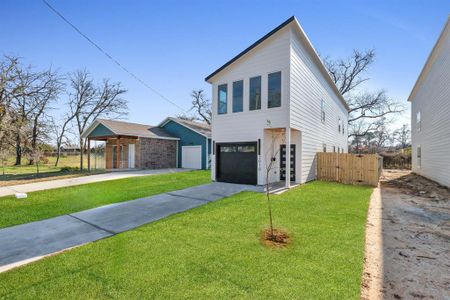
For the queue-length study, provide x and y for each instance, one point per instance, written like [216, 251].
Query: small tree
[36, 156]
[271, 156]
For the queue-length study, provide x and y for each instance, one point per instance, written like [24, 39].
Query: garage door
[237, 162]
[191, 157]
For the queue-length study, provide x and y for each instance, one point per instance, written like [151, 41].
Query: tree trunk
[18, 151]
[58, 154]
[269, 204]
[33, 142]
[81, 154]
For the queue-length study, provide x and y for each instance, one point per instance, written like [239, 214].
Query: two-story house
[430, 114]
[275, 103]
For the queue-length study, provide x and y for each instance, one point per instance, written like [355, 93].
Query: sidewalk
[58, 183]
[25, 243]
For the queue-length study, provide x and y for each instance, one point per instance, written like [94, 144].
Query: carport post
[288, 158]
[89, 154]
[117, 152]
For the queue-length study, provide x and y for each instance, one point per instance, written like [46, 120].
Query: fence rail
[364, 169]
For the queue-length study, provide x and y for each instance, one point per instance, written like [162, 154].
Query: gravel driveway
[407, 239]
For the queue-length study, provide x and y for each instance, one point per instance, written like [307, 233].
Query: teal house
[194, 142]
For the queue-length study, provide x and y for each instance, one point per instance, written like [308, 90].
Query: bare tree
[271, 156]
[36, 155]
[187, 117]
[403, 136]
[59, 131]
[8, 76]
[51, 86]
[201, 106]
[89, 102]
[4, 154]
[366, 108]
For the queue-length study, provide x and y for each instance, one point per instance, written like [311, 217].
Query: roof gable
[197, 127]
[127, 129]
[304, 40]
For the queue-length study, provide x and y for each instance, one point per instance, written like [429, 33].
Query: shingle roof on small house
[200, 127]
[129, 129]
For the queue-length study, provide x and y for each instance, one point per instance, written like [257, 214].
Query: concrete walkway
[58, 183]
[28, 242]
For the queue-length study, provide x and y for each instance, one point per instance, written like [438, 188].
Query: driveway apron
[22, 243]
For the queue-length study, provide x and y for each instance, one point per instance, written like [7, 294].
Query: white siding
[432, 99]
[271, 56]
[308, 89]
[303, 88]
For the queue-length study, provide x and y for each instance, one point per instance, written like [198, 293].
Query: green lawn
[214, 252]
[67, 165]
[45, 204]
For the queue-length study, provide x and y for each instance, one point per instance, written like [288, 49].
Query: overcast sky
[174, 45]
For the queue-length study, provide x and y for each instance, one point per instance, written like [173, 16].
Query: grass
[214, 252]
[50, 203]
[67, 166]
[72, 161]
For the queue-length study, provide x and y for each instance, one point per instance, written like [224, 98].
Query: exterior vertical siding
[308, 88]
[248, 126]
[303, 87]
[432, 99]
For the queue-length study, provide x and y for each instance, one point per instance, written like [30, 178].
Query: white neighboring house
[430, 114]
[282, 79]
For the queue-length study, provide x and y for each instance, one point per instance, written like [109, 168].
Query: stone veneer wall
[156, 153]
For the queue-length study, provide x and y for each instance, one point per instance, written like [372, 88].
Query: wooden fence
[347, 168]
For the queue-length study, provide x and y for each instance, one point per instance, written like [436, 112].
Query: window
[246, 149]
[418, 121]
[222, 96]
[339, 125]
[255, 93]
[419, 156]
[334, 148]
[324, 146]
[322, 111]
[274, 90]
[238, 96]
[343, 126]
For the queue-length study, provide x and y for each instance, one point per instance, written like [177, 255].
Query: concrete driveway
[58, 183]
[28, 242]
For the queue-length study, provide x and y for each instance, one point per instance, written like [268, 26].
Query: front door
[283, 162]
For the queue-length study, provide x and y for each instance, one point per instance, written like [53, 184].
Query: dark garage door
[237, 162]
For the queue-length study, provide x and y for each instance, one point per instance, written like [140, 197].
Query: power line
[110, 57]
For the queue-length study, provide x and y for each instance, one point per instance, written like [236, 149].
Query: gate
[364, 169]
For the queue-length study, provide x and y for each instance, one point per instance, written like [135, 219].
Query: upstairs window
[238, 96]
[255, 93]
[322, 111]
[339, 125]
[418, 121]
[274, 90]
[222, 96]
[324, 147]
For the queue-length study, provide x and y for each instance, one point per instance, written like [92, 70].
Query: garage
[237, 162]
[191, 157]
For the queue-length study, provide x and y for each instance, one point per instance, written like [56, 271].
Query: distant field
[67, 165]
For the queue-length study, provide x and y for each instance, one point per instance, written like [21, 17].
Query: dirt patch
[279, 239]
[407, 239]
